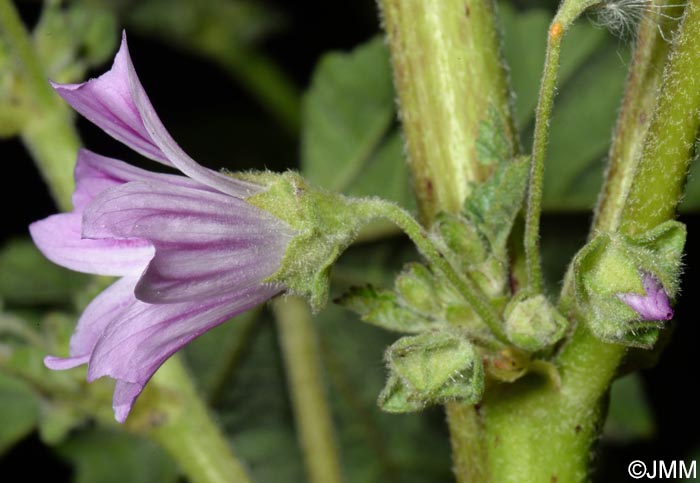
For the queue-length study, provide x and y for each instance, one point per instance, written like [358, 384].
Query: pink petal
[94, 174]
[206, 243]
[58, 237]
[140, 339]
[125, 394]
[652, 306]
[117, 103]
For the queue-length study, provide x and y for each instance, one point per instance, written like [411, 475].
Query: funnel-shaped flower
[652, 306]
[191, 251]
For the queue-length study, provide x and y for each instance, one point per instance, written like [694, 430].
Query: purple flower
[652, 306]
[191, 253]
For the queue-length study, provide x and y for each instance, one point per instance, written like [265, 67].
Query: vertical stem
[48, 133]
[660, 175]
[469, 455]
[300, 347]
[568, 11]
[448, 74]
[537, 433]
[172, 414]
[637, 111]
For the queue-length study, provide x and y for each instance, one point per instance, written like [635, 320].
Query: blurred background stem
[302, 355]
[48, 131]
[187, 430]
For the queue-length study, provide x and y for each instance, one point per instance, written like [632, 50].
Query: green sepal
[325, 224]
[613, 264]
[396, 397]
[532, 323]
[432, 368]
[381, 308]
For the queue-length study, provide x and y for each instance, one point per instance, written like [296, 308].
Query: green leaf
[102, 456]
[629, 416]
[493, 205]
[19, 411]
[492, 145]
[27, 278]
[349, 143]
[381, 308]
[254, 409]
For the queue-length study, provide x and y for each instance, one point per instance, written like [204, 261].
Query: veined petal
[135, 344]
[125, 394]
[95, 173]
[58, 237]
[107, 102]
[206, 243]
[117, 103]
[103, 309]
[106, 307]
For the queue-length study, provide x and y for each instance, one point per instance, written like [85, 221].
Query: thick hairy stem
[449, 75]
[302, 356]
[539, 433]
[641, 97]
[448, 72]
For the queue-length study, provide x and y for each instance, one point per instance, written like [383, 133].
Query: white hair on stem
[621, 17]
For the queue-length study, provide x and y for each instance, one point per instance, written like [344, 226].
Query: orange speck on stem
[555, 30]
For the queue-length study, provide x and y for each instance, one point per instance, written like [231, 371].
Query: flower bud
[533, 324]
[432, 368]
[623, 284]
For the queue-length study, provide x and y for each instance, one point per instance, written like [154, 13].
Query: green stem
[48, 132]
[171, 413]
[536, 433]
[567, 13]
[466, 287]
[449, 75]
[301, 350]
[637, 111]
[468, 449]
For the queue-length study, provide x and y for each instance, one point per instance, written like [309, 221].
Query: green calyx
[431, 368]
[326, 223]
[532, 323]
[613, 264]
